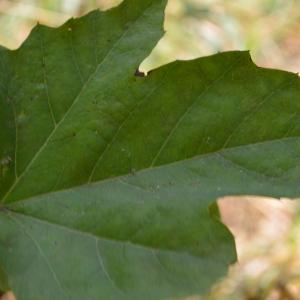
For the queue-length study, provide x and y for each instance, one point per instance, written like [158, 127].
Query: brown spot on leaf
[138, 73]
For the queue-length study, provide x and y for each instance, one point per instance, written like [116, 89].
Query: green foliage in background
[108, 177]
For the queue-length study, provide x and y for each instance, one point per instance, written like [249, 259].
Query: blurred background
[269, 28]
[267, 231]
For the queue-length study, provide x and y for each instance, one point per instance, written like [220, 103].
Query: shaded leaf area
[179, 111]
[119, 239]
[147, 235]
[107, 178]
[4, 286]
[68, 84]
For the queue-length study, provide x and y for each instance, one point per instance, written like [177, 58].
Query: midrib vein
[198, 156]
[58, 124]
[92, 235]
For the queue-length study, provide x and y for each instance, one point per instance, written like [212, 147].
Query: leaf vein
[189, 109]
[104, 269]
[69, 110]
[119, 129]
[41, 252]
[45, 78]
[255, 110]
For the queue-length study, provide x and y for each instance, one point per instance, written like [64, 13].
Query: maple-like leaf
[107, 179]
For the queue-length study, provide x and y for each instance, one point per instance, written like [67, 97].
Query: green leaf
[108, 179]
[4, 287]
